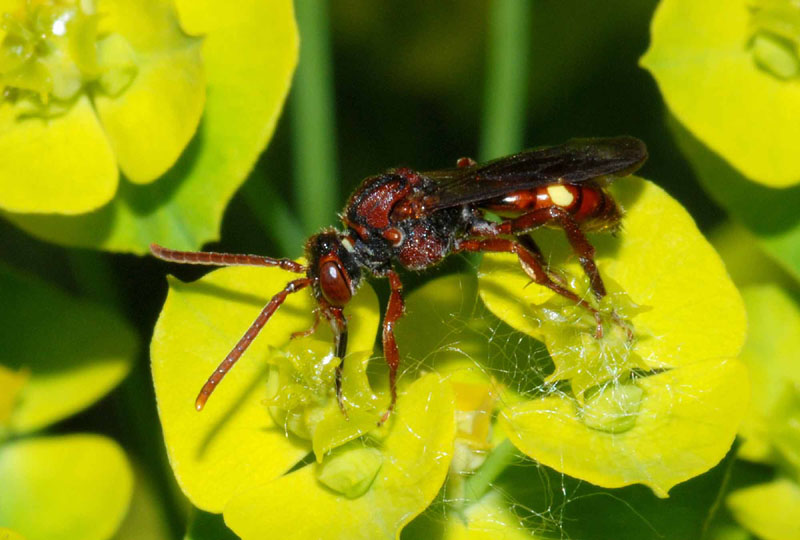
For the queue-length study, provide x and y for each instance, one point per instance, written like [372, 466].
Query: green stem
[312, 113]
[498, 461]
[506, 78]
[278, 223]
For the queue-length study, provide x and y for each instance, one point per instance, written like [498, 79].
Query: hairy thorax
[388, 216]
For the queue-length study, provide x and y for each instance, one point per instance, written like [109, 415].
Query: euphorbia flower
[656, 409]
[59, 356]
[90, 88]
[145, 120]
[259, 424]
[728, 70]
[401, 479]
[770, 431]
[241, 438]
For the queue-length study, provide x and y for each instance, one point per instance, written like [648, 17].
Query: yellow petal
[770, 355]
[11, 381]
[363, 411]
[416, 456]
[771, 511]
[64, 488]
[149, 25]
[686, 421]
[707, 74]
[768, 213]
[60, 165]
[151, 122]
[233, 442]
[8, 534]
[73, 351]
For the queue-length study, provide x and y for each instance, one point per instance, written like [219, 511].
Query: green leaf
[738, 248]
[146, 516]
[716, 86]
[249, 54]
[234, 443]
[12, 382]
[416, 456]
[784, 428]
[67, 487]
[770, 214]
[73, 351]
[555, 505]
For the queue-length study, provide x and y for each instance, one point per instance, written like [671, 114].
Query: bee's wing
[577, 160]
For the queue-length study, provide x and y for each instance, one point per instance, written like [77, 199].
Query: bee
[412, 220]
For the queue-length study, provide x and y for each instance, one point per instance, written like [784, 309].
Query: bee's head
[333, 267]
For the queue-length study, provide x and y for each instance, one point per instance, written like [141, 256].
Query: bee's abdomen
[583, 202]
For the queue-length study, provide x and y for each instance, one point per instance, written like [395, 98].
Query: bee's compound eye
[334, 283]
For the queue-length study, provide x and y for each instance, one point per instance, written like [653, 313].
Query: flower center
[775, 41]
[51, 49]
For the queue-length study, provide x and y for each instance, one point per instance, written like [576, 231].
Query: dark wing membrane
[577, 160]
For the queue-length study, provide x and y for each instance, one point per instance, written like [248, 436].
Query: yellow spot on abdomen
[560, 195]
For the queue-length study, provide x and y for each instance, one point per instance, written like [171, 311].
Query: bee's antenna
[247, 338]
[223, 259]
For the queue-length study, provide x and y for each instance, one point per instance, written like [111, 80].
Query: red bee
[415, 219]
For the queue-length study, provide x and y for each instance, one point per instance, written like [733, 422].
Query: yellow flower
[90, 89]
[273, 453]
[54, 363]
[657, 410]
[728, 70]
[179, 97]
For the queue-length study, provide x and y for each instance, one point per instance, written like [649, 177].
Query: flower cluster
[126, 123]
[657, 408]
